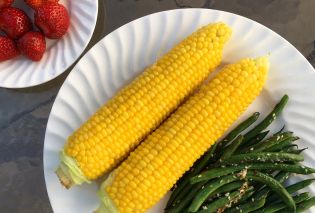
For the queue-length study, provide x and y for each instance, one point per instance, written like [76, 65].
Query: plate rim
[74, 69]
[67, 66]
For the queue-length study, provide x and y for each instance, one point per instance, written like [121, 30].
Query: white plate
[124, 53]
[60, 54]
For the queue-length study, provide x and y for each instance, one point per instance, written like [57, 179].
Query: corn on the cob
[117, 127]
[159, 161]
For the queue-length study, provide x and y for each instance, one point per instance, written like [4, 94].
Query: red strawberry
[37, 3]
[8, 49]
[32, 45]
[5, 3]
[53, 19]
[14, 22]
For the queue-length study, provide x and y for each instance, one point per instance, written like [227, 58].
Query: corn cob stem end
[64, 180]
[69, 172]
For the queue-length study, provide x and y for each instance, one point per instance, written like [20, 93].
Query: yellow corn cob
[117, 127]
[158, 162]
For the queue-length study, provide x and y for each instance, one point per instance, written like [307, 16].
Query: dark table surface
[24, 112]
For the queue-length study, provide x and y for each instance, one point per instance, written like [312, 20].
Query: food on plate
[8, 49]
[165, 155]
[53, 19]
[32, 45]
[5, 3]
[37, 3]
[182, 187]
[245, 173]
[119, 126]
[14, 22]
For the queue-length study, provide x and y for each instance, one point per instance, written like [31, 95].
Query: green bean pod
[247, 195]
[226, 188]
[284, 146]
[268, 119]
[255, 140]
[237, 130]
[261, 157]
[292, 189]
[182, 204]
[270, 142]
[275, 185]
[224, 201]
[279, 206]
[297, 151]
[280, 130]
[209, 188]
[229, 150]
[264, 191]
[248, 207]
[301, 207]
[305, 205]
[217, 172]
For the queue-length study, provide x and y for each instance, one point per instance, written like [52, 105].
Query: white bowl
[60, 54]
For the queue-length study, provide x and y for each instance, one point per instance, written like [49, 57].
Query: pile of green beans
[245, 172]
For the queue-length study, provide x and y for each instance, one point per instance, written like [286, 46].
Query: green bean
[270, 142]
[247, 195]
[229, 150]
[186, 200]
[279, 206]
[240, 128]
[268, 119]
[283, 146]
[297, 151]
[292, 189]
[275, 185]
[182, 195]
[217, 172]
[305, 205]
[285, 137]
[263, 192]
[282, 176]
[280, 131]
[301, 207]
[178, 199]
[292, 145]
[248, 207]
[224, 201]
[209, 188]
[299, 185]
[258, 138]
[262, 157]
[227, 188]
[219, 203]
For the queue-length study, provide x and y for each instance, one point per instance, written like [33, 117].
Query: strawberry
[53, 19]
[8, 49]
[37, 3]
[14, 22]
[32, 45]
[5, 3]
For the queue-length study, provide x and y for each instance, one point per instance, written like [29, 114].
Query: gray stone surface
[24, 112]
